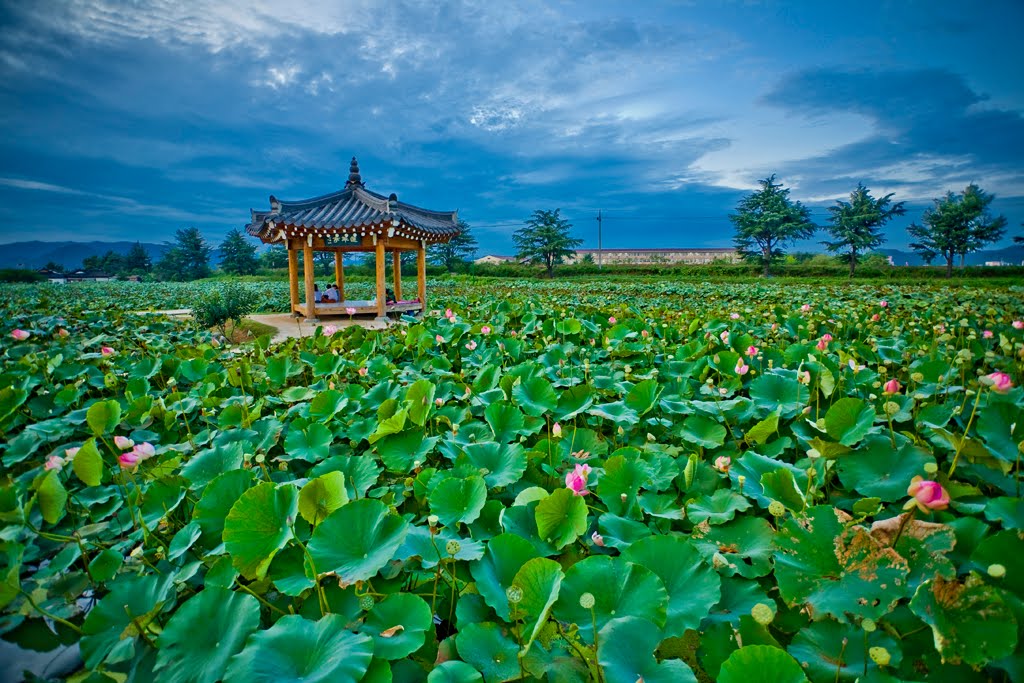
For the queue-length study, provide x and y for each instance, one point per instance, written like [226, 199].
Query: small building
[996, 263]
[493, 260]
[53, 276]
[353, 219]
[656, 256]
[88, 276]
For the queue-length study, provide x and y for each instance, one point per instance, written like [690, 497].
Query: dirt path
[287, 326]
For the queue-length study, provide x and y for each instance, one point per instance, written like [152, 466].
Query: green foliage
[546, 240]
[187, 258]
[237, 255]
[456, 253]
[957, 225]
[766, 221]
[229, 303]
[856, 225]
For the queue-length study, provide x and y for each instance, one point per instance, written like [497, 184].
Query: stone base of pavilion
[334, 310]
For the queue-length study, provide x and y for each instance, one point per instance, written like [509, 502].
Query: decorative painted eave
[353, 210]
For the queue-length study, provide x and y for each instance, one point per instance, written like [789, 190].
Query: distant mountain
[34, 255]
[1013, 255]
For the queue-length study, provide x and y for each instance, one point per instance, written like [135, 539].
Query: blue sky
[128, 120]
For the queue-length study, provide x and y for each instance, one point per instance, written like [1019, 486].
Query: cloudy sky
[129, 120]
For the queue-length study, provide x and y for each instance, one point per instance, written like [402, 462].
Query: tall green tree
[545, 239]
[856, 225]
[274, 257]
[957, 225]
[237, 256]
[187, 258]
[457, 251]
[766, 221]
[110, 263]
[137, 261]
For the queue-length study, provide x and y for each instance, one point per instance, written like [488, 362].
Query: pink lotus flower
[875, 318]
[70, 453]
[999, 381]
[806, 308]
[927, 495]
[350, 310]
[883, 303]
[106, 351]
[577, 480]
[556, 430]
[485, 330]
[438, 402]
[128, 460]
[471, 345]
[612, 320]
[775, 326]
[448, 313]
[724, 336]
[822, 345]
[1018, 324]
[363, 372]
[21, 335]
[723, 463]
[751, 351]
[741, 367]
[803, 376]
[598, 539]
[144, 450]
[644, 334]
[734, 316]
[123, 443]
[891, 387]
[54, 462]
[987, 334]
[62, 333]
[439, 339]
[513, 333]
[329, 330]
[826, 337]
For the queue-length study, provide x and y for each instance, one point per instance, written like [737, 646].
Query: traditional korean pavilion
[353, 219]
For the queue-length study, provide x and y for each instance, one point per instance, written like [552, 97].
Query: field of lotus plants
[567, 481]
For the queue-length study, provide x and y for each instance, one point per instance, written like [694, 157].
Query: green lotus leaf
[849, 420]
[995, 425]
[619, 532]
[833, 650]
[183, 540]
[419, 399]
[774, 392]
[490, 651]
[573, 401]
[357, 540]
[454, 671]
[103, 417]
[280, 368]
[258, 525]
[535, 395]
[761, 664]
[500, 464]
[837, 570]
[718, 508]
[643, 396]
[322, 496]
[105, 565]
[742, 546]
[752, 466]
[538, 583]
[327, 404]
[11, 398]
[311, 443]
[393, 424]
[623, 477]
[1007, 511]
[88, 464]
[617, 412]
[702, 432]
[759, 433]
[52, 496]
[291, 571]
[360, 472]
[296, 649]
[457, 501]
[781, 485]
[620, 589]
[1001, 548]
[625, 652]
[506, 421]
[693, 587]
[110, 628]
[207, 464]
[494, 573]
[521, 520]
[204, 634]
[874, 469]
[431, 546]
[405, 451]
[561, 517]
[218, 497]
[398, 625]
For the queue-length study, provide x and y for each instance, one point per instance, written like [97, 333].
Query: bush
[20, 275]
[229, 303]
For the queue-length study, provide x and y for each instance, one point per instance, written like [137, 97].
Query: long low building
[638, 256]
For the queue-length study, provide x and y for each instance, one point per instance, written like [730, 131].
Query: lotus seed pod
[879, 655]
[432, 520]
[869, 625]
[931, 467]
[366, 602]
[408, 481]
[587, 600]
[514, 594]
[891, 408]
[742, 480]
[776, 509]
[762, 613]
[453, 547]
[623, 497]
[917, 377]
[996, 571]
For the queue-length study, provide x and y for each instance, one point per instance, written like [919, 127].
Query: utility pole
[600, 254]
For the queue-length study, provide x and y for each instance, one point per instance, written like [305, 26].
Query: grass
[248, 330]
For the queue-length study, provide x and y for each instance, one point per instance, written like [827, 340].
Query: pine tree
[857, 224]
[545, 239]
[457, 251]
[137, 260]
[237, 256]
[766, 221]
[958, 224]
[188, 258]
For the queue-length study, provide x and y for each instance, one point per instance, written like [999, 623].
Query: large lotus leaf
[419, 399]
[561, 517]
[1009, 512]
[218, 497]
[52, 496]
[617, 412]
[971, 622]
[923, 544]
[760, 433]
[111, 627]
[849, 420]
[623, 477]
[88, 464]
[738, 597]
[837, 570]
[876, 470]
[620, 589]
[204, 633]
[432, 548]
[488, 649]
[457, 500]
[406, 451]
[619, 532]
[210, 463]
[494, 573]
[781, 485]
[103, 416]
[834, 651]
[625, 652]
[183, 540]
[398, 625]
[360, 472]
[773, 392]
[357, 540]
[702, 432]
[1005, 548]
[258, 525]
[506, 421]
[393, 424]
[535, 395]
[311, 443]
[454, 671]
[299, 650]
[752, 466]
[322, 496]
[718, 508]
[538, 583]
[643, 396]
[500, 464]
[573, 401]
[693, 587]
[996, 426]
[291, 572]
[521, 520]
[761, 664]
[743, 546]
[326, 404]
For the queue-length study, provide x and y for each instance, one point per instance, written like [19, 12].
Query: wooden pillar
[421, 274]
[307, 271]
[293, 278]
[339, 274]
[396, 257]
[381, 282]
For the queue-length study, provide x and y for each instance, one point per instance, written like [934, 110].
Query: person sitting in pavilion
[332, 295]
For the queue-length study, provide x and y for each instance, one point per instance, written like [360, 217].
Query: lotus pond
[562, 481]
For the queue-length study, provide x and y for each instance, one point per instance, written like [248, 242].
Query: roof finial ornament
[353, 175]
